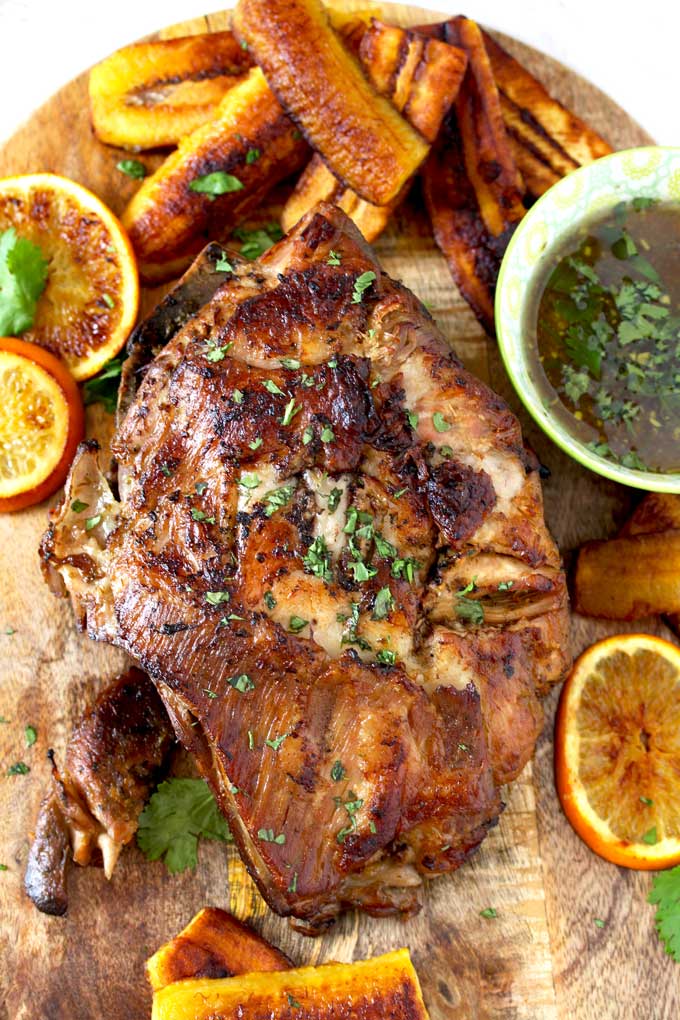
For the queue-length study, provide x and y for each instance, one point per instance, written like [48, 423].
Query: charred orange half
[41, 423]
[617, 750]
[90, 302]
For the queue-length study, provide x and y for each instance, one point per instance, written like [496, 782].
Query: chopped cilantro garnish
[440, 423]
[216, 183]
[275, 744]
[103, 387]
[296, 624]
[361, 284]
[78, 506]
[249, 480]
[30, 735]
[223, 265]
[216, 598]
[386, 657]
[252, 156]
[290, 411]
[488, 912]
[241, 683]
[259, 240]
[383, 605]
[333, 258]
[317, 559]
[278, 498]
[269, 600]
[133, 168]
[338, 772]
[469, 609]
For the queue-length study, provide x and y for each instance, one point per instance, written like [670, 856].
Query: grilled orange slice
[617, 750]
[41, 423]
[90, 302]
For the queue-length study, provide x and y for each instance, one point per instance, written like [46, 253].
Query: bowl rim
[649, 480]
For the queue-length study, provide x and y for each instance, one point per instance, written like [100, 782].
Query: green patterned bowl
[589, 192]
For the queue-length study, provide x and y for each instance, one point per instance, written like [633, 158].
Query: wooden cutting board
[543, 957]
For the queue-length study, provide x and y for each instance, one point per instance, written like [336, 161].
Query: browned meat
[318, 508]
[91, 810]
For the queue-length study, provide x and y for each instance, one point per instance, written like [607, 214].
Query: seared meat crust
[319, 509]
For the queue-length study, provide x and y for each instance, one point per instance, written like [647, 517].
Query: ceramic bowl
[588, 193]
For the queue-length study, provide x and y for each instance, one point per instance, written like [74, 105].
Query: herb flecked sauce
[604, 335]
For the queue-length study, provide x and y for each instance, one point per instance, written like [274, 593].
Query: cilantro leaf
[216, 183]
[103, 388]
[133, 168]
[259, 240]
[361, 284]
[178, 814]
[665, 893]
[23, 276]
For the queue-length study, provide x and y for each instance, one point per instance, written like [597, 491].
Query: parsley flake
[216, 598]
[488, 912]
[78, 506]
[31, 735]
[296, 624]
[333, 258]
[440, 422]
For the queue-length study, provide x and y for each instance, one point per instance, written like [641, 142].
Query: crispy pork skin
[91, 809]
[318, 509]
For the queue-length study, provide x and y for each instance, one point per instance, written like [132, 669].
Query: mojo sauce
[604, 330]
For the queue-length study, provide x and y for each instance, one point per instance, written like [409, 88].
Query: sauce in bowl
[603, 327]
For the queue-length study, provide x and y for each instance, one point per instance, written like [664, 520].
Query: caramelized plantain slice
[473, 254]
[422, 77]
[251, 142]
[213, 945]
[152, 94]
[386, 986]
[554, 140]
[488, 159]
[629, 577]
[658, 511]
[368, 145]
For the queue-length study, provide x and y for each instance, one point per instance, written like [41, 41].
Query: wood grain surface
[543, 957]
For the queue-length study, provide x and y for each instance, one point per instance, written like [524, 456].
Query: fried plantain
[489, 163]
[367, 144]
[384, 986]
[422, 77]
[629, 577]
[252, 144]
[550, 140]
[151, 94]
[214, 944]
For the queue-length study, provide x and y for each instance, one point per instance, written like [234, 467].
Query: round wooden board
[542, 957]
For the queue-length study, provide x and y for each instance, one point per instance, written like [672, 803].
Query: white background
[630, 50]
